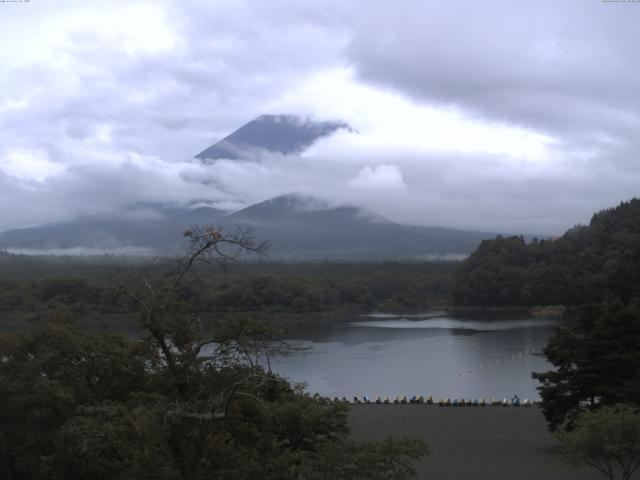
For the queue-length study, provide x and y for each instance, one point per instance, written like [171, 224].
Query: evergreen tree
[597, 360]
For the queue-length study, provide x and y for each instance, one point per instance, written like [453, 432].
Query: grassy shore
[474, 443]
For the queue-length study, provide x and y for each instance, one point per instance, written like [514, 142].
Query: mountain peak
[307, 209]
[284, 134]
[298, 201]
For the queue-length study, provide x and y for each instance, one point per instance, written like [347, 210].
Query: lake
[431, 354]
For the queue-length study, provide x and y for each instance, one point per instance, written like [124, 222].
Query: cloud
[96, 189]
[29, 164]
[492, 115]
[525, 63]
[155, 78]
[379, 178]
[567, 71]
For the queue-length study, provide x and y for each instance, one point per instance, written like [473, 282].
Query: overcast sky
[511, 116]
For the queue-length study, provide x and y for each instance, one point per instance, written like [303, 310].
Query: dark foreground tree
[597, 360]
[172, 404]
[597, 363]
[607, 440]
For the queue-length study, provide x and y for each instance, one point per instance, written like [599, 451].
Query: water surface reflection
[431, 354]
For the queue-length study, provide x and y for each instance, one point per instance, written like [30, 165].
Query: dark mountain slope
[285, 134]
[297, 227]
[302, 227]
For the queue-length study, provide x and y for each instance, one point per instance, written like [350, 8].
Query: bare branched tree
[242, 344]
[155, 295]
[252, 341]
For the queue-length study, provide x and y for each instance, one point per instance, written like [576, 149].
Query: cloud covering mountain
[497, 115]
[295, 226]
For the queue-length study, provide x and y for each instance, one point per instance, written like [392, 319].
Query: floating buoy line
[454, 402]
[443, 402]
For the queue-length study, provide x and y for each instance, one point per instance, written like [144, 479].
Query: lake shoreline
[292, 322]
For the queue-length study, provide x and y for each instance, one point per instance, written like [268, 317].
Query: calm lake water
[431, 354]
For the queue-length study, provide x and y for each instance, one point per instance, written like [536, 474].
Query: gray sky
[494, 115]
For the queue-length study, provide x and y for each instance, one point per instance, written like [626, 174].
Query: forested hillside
[34, 288]
[570, 270]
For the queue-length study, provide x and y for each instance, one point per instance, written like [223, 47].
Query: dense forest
[36, 288]
[573, 269]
